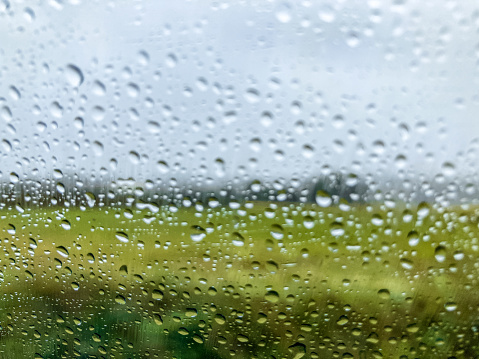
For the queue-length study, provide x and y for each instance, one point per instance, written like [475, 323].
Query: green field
[283, 280]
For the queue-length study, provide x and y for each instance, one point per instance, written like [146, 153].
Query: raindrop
[448, 169]
[327, 14]
[377, 220]
[6, 113]
[15, 93]
[220, 319]
[157, 319]
[353, 40]
[90, 258]
[323, 199]
[11, 229]
[120, 299]
[252, 95]
[266, 119]
[343, 320]
[98, 113]
[97, 148]
[143, 58]
[406, 263]
[62, 251]
[153, 127]
[336, 229]
[124, 270]
[199, 234]
[440, 253]
[298, 350]
[122, 237]
[191, 312]
[458, 255]
[384, 294]
[308, 222]
[66, 225]
[171, 60]
[450, 306]
[4, 5]
[132, 90]
[277, 231]
[99, 88]
[157, 294]
[413, 238]
[272, 296]
[338, 121]
[74, 75]
[238, 239]
[78, 123]
[283, 14]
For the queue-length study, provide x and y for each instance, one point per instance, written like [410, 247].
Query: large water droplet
[272, 296]
[62, 251]
[440, 253]
[238, 239]
[122, 237]
[323, 199]
[74, 75]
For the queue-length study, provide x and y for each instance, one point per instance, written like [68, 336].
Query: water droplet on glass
[336, 229]
[353, 40]
[406, 263]
[6, 113]
[132, 90]
[171, 60]
[66, 225]
[413, 238]
[14, 93]
[11, 229]
[450, 306]
[440, 253]
[308, 222]
[4, 6]
[343, 320]
[73, 75]
[157, 294]
[283, 14]
[384, 294]
[99, 88]
[124, 270]
[143, 58]
[326, 14]
[122, 237]
[323, 199]
[266, 119]
[272, 296]
[277, 231]
[98, 113]
[199, 233]
[62, 251]
[252, 95]
[423, 210]
[120, 299]
[458, 255]
[238, 239]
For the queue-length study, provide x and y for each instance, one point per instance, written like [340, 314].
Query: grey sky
[246, 89]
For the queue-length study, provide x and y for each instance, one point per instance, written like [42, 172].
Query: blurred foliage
[253, 281]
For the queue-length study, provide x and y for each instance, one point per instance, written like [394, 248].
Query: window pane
[250, 179]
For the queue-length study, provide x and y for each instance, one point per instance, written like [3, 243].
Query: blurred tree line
[70, 190]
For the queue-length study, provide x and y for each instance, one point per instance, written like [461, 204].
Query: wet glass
[249, 179]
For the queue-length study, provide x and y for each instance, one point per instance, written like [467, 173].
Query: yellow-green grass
[281, 280]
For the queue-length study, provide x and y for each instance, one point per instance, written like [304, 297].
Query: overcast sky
[239, 89]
